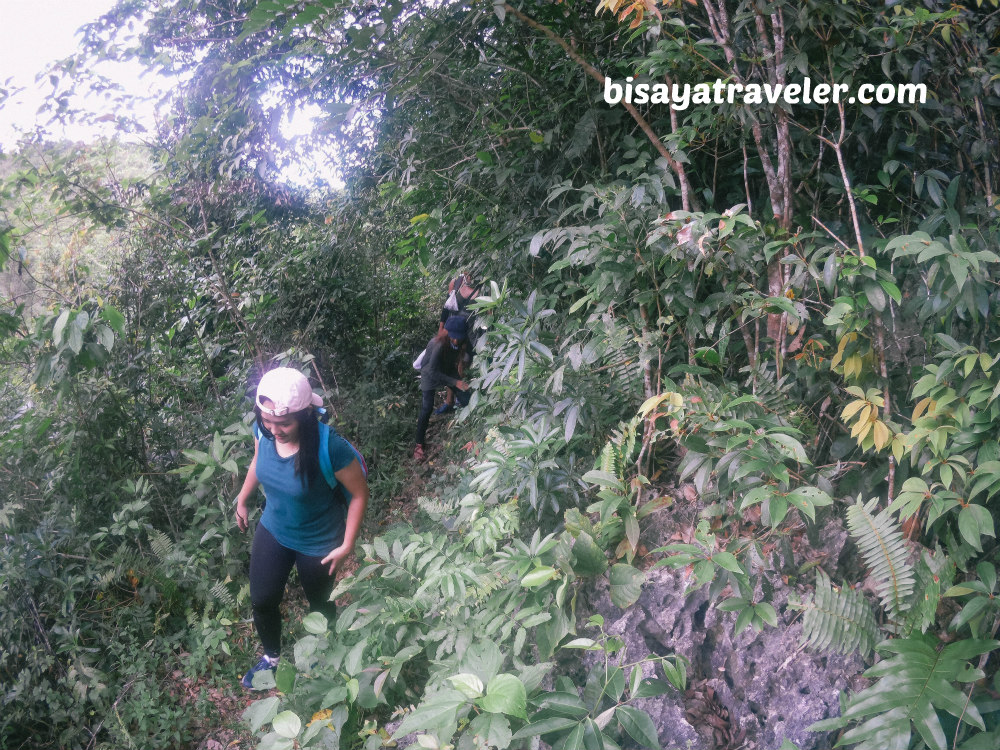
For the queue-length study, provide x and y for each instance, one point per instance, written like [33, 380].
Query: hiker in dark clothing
[460, 293]
[443, 365]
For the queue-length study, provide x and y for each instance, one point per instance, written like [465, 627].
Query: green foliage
[85, 647]
[911, 687]
[745, 302]
[979, 609]
[445, 621]
[881, 543]
[838, 618]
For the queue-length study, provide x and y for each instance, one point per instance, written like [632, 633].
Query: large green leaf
[287, 724]
[626, 585]
[483, 659]
[60, 326]
[505, 694]
[911, 688]
[639, 726]
[439, 715]
[491, 729]
[544, 726]
[314, 623]
[284, 676]
[588, 558]
[807, 499]
[975, 521]
[261, 712]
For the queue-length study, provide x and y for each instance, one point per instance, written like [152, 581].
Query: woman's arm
[249, 485]
[353, 480]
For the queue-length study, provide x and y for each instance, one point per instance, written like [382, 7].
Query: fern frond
[125, 558]
[496, 440]
[934, 574]
[609, 459]
[583, 135]
[223, 595]
[913, 686]
[630, 438]
[883, 548]
[769, 398]
[433, 507]
[626, 366]
[840, 620]
[772, 393]
[161, 544]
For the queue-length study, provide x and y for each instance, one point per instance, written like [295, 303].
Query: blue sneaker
[262, 665]
[443, 409]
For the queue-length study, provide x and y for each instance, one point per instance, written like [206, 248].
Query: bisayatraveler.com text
[682, 96]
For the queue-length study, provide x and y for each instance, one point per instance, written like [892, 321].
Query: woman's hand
[336, 557]
[249, 485]
[462, 385]
[242, 514]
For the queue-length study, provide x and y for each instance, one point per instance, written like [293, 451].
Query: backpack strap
[325, 465]
[361, 459]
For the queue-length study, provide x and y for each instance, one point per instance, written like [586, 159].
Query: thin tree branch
[675, 166]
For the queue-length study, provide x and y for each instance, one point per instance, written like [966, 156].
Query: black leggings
[270, 566]
[427, 406]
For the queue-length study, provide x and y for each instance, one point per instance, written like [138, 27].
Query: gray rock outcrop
[745, 690]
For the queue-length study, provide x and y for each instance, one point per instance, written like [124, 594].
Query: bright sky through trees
[33, 36]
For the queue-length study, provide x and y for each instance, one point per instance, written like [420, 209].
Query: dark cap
[455, 326]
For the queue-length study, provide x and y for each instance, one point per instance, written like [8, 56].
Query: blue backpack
[325, 466]
[324, 455]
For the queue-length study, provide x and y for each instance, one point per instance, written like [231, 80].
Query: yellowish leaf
[921, 406]
[852, 408]
[880, 434]
[860, 429]
[852, 367]
[323, 715]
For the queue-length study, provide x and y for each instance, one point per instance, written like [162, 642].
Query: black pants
[270, 566]
[427, 406]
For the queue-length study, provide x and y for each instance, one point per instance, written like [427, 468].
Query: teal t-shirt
[309, 519]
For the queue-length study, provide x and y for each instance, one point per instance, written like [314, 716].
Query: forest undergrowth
[746, 324]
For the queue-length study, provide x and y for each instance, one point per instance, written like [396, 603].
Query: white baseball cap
[288, 390]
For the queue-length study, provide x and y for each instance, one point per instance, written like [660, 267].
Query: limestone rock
[749, 689]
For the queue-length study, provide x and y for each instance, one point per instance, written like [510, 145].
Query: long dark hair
[307, 459]
[444, 339]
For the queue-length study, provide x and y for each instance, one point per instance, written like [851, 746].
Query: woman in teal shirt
[306, 522]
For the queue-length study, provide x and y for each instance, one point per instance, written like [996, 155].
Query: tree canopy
[755, 318]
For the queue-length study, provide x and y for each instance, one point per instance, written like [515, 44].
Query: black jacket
[440, 365]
